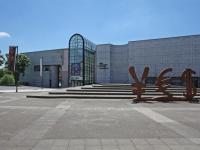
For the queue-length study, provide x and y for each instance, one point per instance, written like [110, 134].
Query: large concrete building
[111, 62]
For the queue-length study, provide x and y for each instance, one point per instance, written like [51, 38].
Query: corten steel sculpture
[138, 86]
[164, 82]
[191, 90]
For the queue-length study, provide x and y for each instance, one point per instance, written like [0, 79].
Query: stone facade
[53, 60]
[177, 52]
[113, 61]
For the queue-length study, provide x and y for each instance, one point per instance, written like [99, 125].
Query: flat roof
[164, 38]
[153, 39]
[40, 51]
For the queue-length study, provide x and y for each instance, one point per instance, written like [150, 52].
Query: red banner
[12, 58]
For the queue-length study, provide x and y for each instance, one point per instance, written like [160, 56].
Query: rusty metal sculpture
[191, 90]
[138, 86]
[163, 83]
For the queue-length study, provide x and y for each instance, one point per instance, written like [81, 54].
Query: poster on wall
[12, 58]
[76, 69]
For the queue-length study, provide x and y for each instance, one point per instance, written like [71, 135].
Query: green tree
[6, 61]
[2, 59]
[22, 62]
[7, 79]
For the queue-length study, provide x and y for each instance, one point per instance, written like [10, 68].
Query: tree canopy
[2, 59]
[22, 62]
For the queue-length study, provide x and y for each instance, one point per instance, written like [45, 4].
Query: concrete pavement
[12, 89]
[96, 124]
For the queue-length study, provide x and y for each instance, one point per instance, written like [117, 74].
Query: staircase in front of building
[110, 91]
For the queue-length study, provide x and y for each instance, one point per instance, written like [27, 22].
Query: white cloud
[4, 34]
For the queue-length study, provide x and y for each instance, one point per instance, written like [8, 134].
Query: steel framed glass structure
[81, 61]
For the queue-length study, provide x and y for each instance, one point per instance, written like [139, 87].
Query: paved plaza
[21, 88]
[96, 124]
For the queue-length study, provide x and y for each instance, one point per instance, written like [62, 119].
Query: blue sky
[47, 24]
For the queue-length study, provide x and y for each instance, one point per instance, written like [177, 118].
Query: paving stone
[32, 134]
[183, 141]
[176, 147]
[3, 143]
[6, 148]
[109, 147]
[144, 147]
[93, 148]
[19, 148]
[44, 144]
[110, 142]
[29, 142]
[160, 147]
[77, 142]
[93, 142]
[169, 141]
[184, 147]
[127, 147]
[60, 142]
[183, 130]
[154, 141]
[78, 147]
[57, 147]
[140, 142]
[195, 140]
[124, 142]
[191, 147]
[113, 123]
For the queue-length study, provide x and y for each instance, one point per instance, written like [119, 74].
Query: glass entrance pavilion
[81, 61]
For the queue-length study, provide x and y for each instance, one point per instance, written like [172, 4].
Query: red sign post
[12, 58]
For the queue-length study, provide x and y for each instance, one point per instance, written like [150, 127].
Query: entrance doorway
[76, 83]
[55, 76]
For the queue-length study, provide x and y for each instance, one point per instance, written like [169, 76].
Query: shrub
[1, 73]
[7, 79]
[6, 71]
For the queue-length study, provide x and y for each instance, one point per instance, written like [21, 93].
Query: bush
[6, 71]
[2, 73]
[7, 79]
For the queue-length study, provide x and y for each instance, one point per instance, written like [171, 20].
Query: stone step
[111, 84]
[111, 93]
[123, 90]
[95, 96]
[129, 86]
[118, 85]
[83, 96]
[150, 88]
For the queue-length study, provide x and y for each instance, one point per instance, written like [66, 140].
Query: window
[46, 68]
[81, 58]
[36, 68]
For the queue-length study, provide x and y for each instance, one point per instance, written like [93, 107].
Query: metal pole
[16, 72]
[41, 72]
[42, 80]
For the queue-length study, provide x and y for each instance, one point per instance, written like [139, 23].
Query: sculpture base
[165, 99]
